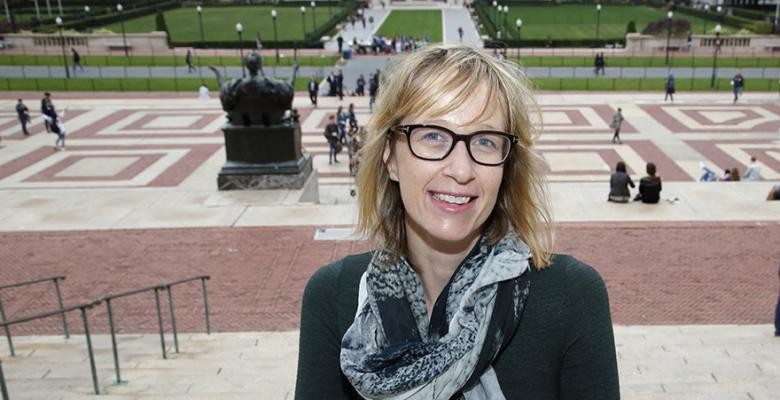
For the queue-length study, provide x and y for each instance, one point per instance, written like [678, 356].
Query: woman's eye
[432, 136]
[485, 142]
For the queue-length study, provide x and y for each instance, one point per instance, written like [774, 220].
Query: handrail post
[3, 389]
[173, 318]
[59, 301]
[113, 341]
[89, 350]
[160, 321]
[7, 331]
[206, 304]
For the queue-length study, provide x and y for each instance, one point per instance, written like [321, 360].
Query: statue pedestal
[260, 157]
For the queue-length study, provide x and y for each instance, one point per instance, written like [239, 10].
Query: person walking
[460, 33]
[258, 42]
[340, 41]
[76, 60]
[314, 89]
[373, 88]
[738, 85]
[617, 123]
[24, 116]
[188, 60]
[340, 84]
[360, 86]
[670, 88]
[332, 136]
[47, 111]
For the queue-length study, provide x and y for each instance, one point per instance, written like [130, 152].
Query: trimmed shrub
[631, 28]
[680, 26]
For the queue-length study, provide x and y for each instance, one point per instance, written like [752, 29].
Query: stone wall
[639, 42]
[144, 42]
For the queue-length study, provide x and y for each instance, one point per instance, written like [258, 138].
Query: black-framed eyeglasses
[434, 143]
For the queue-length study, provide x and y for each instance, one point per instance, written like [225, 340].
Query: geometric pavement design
[147, 146]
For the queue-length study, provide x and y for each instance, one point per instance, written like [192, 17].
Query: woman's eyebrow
[441, 122]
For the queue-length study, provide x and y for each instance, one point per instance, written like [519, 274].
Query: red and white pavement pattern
[656, 272]
[129, 143]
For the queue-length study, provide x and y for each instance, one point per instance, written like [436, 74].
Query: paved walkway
[137, 163]
[712, 362]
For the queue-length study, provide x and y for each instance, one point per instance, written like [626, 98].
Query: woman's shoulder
[567, 273]
[345, 271]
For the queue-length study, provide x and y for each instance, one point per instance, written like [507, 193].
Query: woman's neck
[435, 261]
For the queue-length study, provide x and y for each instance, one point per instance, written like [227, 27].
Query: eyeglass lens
[435, 143]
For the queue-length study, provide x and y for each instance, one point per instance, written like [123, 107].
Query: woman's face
[447, 201]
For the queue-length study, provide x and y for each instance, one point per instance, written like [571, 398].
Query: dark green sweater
[563, 348]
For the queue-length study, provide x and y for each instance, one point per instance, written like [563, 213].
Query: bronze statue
[257, 100]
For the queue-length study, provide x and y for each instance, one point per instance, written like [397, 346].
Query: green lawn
[680, 59]
[192, 84]
[578, 21]
[416, 24]
[677, 59]
[119, 84]
[161, 61]
[219, 23]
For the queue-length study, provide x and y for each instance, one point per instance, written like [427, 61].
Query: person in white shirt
[203, 92]
[753, 171]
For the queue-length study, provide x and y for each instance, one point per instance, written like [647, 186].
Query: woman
[619, 183]
[617, 124]
[649, 186]
[462, 298]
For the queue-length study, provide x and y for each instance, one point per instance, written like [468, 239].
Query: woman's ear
[388, 156]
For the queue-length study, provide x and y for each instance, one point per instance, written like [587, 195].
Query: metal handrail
[107, 299]
[83, 308]
[157, 288]
[56, 280]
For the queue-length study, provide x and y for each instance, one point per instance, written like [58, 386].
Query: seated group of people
[752, 173]
[620, 181]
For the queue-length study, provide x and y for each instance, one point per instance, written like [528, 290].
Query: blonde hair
[415, 83]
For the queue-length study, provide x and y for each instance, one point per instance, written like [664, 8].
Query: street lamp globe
[303, 10]
[58, 21]
[720, 9]
[598, 7]
[239, 27]
[669, 15]
[519, 23]
[506, 9]
[313, 4]
[717, 28]
[199, 9]
[86, 9]
[495, 3]
[119, 7]
[707, 7]
[273, 14]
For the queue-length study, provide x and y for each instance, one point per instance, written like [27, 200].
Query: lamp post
[122, 23]
[313, 16]
[62, 44]
[669, 16]
[495, 11]
[240, 30]
[506, 13]
[303, 19]
[199, 9]
[598, 19]
[276, 40]
[715, 55]
[518, 25]
[720, 15]
[706, 11]
[10, 16]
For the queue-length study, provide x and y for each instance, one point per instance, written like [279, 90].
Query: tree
[631, 28]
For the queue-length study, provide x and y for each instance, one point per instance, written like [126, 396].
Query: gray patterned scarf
[392, 351]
